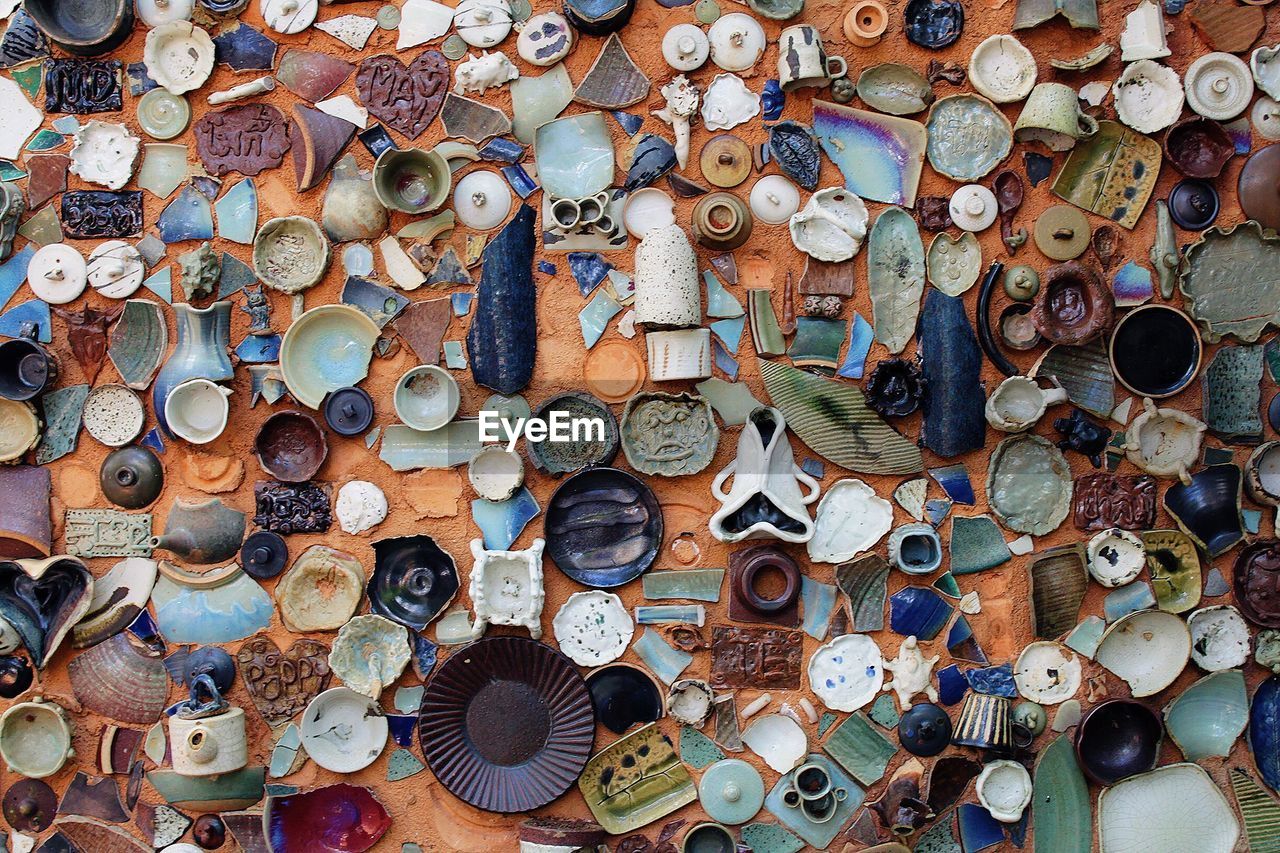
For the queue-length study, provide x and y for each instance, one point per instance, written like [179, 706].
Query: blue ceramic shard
[693, 584]
[954, 480]
[139, 80]
[1017, 832]
[652, 158]
[1085, 637]
[946, 584]
[236, 276]
[32, 311]
[724, 362]
[461, 302]
[993, 680]
[595, 316]
[825, 722]
[501, 522]
[978, 829]
[66, 124]
[238, 213]
[1128, 599]
[664, 661]
[954, 402]
[407, 700]
[880, 156]
[546, 268]
[720, 302]
[730, 331]
[424, 655]
[521, 183]
[772, 100]
[818, 601]
[381, 304]
[187, 217]
[1240, 133]
[13, 272]
[402, 764]
[1215, 584]
[588, 270]
[154, 440]
[1264, 731]
[952, 685]
[936, 510]
[622, 284]
[501, 150]
[1132, 285]
[209, 187]
[402, 727]
[813, 467]
[161, 284]
[45, 140]
[962, 645]
[242, 48]
[376, 139]
[449, 269]
[860, 337]
[23, 41]
[152, 249]
[259, 349]
[919, 612]
[1174, 7]
[10, 171]
[629, 122]
[62, 410]
[502, 340]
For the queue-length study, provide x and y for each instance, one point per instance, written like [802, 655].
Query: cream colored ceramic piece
[847, 673]
[113, 414]
[851, 518]
[116, 269]
[35, 738]
[179, 56]
[21, 119]
[1265, 116]
[774, 200]
[1148, 96]
[369, 654]
[668, 291]
[685, 47]
[104, 154]
[478, 74]
[153, 13]
[1264, 64]
[288, 17]
[1094, 93]
[682, 105]
[1164, 442]
[1004, 788]
[764, 472]
[689, 701]
[544, 39]
[779, 740]
[1002, 69]
[832, 225]
[1019, 402]
[197, 410]
[343, 731]
[57, 273]
[482, 200]
[483, 23]
[1116, 557]
[1219, 638]
[593, 627]
[1047, 673]
[678, 354]
[506, 587]
[320, 591]
[1219, 86]
[209, 745]
[737, 41]
[973, 207]
[954, 265]
[646, 209]
[1147, 648]
[496, 473]
[912, 673]
[1143, 36]
[1177, 808]
[360, 506]
[728, 103]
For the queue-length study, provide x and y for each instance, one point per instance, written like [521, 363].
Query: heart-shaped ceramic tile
[405, 99]
[283, 683]
[41, 599]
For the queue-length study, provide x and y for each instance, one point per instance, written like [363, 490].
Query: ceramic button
[1193, 204]
[288, 17]
[737, 41]
[57, 274]
[162, 114]
[544, 39]
[1062, 233]
[116, 269]
[685, 47]
[482, 23]
[774, 200]
[725, 160]
[973, 207]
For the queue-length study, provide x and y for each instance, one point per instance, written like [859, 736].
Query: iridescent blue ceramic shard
[501, 150]
[1132, 285]
[242, 48]
[954, 402]
[993, 680]
[381, 304]
[818, 601]
[880, 156]
[1264, 731]
[855, 359]
[978, 829]
[795, 150]
[814, 468]
[187, 217]
[501, 522]
[402, 726]
[461, 303]
[588, 269]
[238, 213]
[963, 645]
[664, 661]
[772, 100]
[936, 510]
[259, 349]
[520, 180]
[917, 611]
[502, 340]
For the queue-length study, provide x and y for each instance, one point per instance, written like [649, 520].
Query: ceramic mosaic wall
[924, 365]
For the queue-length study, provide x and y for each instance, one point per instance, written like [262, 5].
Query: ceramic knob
[685, 47]
[288, 17]
[774, 200]
[57, 274]
[865, 22]
[157, 12]
[973, 207]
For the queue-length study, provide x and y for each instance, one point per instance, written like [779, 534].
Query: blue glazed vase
[201, 352]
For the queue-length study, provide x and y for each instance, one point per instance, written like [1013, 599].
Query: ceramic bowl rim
[449, 385]
[278, 419]
[299, 326]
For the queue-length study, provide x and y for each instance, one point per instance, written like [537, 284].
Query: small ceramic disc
[725, 160]
[685, 47]
[645, 209]
[30, 805]
[1266, 118]
[737, 41]
[156, 12]
[496, 473]
[482, 200]
[1002, 69]
[113, 414]
[116, 269]
[388, 17]
[973, 207]
[57, 274]
[288, 17]
[614, 370]
[162, 114]
[707, 11]
[454, 48]
[521, 10]
[1219, 86]
[22, 429]
[774, 199]
[731, 791]
[1193, 204]
[544, 39]
[483, 23]
[1062, 233]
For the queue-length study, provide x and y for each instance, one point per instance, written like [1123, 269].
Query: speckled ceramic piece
[1113, 173]
[593, 627]
[1116, 557]
[1164, 442]
[290, 253]
[846, 673]
[1230, 280]
[369, 654]
[968, 137]
[1148, 96]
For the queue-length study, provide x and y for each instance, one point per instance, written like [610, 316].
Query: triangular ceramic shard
[629, 122]
[1084, 372]
[865, 582]
[962, 645]
[911, 496]
[1261, 813]
[1111, 174]
[895, 277]
[318, 141]
[697, 750]
[502, 340]
[954, 402]
[449, 270]
[312, 76]
[1058, 584]
[834, 420]
[588, 269]
[537, 99]
[726, 266]
[651, 158]
[423, 325]
[352, 30]
[614, 80]
[472, 120]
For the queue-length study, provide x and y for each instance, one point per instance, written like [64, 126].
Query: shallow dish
[1155, 351]
[1148, 649]
[1118, 738]
[603, 527]
[337, 710]
[327, 348]
[426, 397]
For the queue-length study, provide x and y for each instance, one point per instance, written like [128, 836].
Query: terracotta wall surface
[422, 811]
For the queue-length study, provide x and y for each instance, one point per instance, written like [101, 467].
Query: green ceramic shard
[859, 748]
[895, 277]
[770, 838]
[1230, 281]
[402, 764]
[939, 838]
[865, 581]
[765, 331]
[1261, 813]
[817, 343]
[884, 712]
[825, 722]
[43, 228]
[694, 584]
[284, 757]
[537, 100]
[946, 584]
[29, 78]
[1060, 802]
[733, 401]
[1086, 636]
[697, 750]
[1233, 394]
[1207, 718]
[1111, 174]
[976, 545]
[62, 410]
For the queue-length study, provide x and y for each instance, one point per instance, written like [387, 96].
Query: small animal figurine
[1082, 435]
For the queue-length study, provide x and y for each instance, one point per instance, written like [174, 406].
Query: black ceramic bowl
[83, 27]
[1208, 508]
[1117, 739]
[624, 695]
[1155, 351]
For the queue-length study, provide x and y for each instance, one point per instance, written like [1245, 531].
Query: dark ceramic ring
[767, 561]
[1155, 351]
[1118, 738]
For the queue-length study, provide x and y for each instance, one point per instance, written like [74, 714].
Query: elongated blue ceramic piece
[953, 400]
[1264, 731]
[502, 341]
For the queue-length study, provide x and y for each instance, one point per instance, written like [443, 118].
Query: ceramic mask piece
[544, 39]
[968, 137]
[765, 499]
[1112, 174]
[851, 518]
[668, 435]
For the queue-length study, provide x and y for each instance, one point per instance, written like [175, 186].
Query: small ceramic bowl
[327, 348]
[35, 738]
[708, 838]
[1155, 351]
[426, 397]
[1208, 508]
[83, 27]
[291, 446]
[411, 180]
[1148, 649]
[496, 473]
[1262, 474]
[1198, 147]
[1219, 638]
[1116, 557]
[197, 410]
[364, 728]
[1117, 739]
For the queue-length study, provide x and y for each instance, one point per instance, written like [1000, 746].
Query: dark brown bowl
[291, 446]
[1073, 306]
[83, 27]
[1198, 147]
[1117, 739]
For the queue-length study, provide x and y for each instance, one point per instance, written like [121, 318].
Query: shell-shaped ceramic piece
[895, 89]
[179, 56]
[369, 654]
[1219, 638]
[851, 518]
[121, 680]
[1029, 484]
[1264, 64]
[847, 672]
[895, 277]
[104, 154]
[1219, 86]
[1148, 96]
[954, 265]
[728, 103]
[1047, 673]
[831, 226]
[1148, 649]
[968, 137]
[593, 627]
[1002, 69]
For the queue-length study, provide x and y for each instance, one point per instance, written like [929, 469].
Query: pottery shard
[765, 658]
[211, 473]
[247, 139]
[48, 177]
[423, 325]
[824, 278]
[312, 76]
[433, 493]
[1224, 25]
[405, 99]
[502, 340]
[1107, 500]
[318, 140]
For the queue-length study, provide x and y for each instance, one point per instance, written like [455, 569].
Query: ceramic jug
[207, 735]
[766, 500]
[803, 61]
[200, 353]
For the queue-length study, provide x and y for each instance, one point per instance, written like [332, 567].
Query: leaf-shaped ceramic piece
[1111, 174]
[954, 265]
[895, 274]
[895, 89]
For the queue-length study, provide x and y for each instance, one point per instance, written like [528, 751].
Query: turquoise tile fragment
[13, 272]
[730, 331]
[187, 217]
[409, 699]
[884, 711]
[595, 316]
[855, 359]
[825, 722]
[697, 750]
[402, 764]
[976, 545]
[454, 358]
[692, 584]
[11, 171]
[720, 302]
[46, 140]
[1128, 599]
[770, 838]
[33, 311]
[818, 602]
[238, 213]
[236, 276]
[161, 284]
[1252, 519]
[1085, 637]
[946, 584]
[285, 752]
[501, 522]
[663, 661]
[62, 412]
[66, 124]
[29, 79]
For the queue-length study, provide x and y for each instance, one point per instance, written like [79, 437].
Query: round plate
[624, 695]
[563, 457]
[340, 709]
[614, 370]
[968, 137]
[1155, 351]
[603, 527]
[1257, 188]
[492, 758]
[725, 160]
[414, 579]
[30, 805]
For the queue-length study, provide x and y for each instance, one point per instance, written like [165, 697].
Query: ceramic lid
[1259, 187]
[1193, 204]
[924, 729]
[288, 17]
[774, 199]
[614, 370]
[973, 207]
[725, 160]
[685, 47]
[731, 791]
[348, 411]
[544, 40]
[162, 114]
[57, 274]
[1265, 116]
[1219, 86]
[483, 23]
[264, 554]
[1062, 232]
[647, 208]
[156, 12]
[482, 200]
[737, 41]
[116, 269]
[113, 414]
[21, 429]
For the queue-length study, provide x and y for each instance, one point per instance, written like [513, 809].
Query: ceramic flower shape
[912, 673]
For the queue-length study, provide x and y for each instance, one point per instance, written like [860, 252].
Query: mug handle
[840, 63]
[1088, 125]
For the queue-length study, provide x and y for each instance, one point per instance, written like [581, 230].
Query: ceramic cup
[803, 61]
[591, 208]
[1018, 402]
[197, 410]
[812, 781]
[565, 214]
[1052, 115]
[412, 180]
[708, 838]
[426, 397]
[35, 738]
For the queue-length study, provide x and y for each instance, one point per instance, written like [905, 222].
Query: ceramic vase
[766, 500]
[201, 352]
[668, 294]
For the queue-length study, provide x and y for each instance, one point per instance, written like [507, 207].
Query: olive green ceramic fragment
[894, 89]
[765, 331]
[1058, 583]
[1259, 809]
[636, 780]
[229, 791]
[1164, 251]
[1060, 801]
[895, 277]
[1207, 718]
[954, 265]
[1174, 566]
[1230, 279]
[865, 582]
[1111, 174]
[1029, 484]
[1232, 394]
[858, 747]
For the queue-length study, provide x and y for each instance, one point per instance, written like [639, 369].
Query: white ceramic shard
[1219, 638]
[155, 13]
[1219, 86]
[483, 23]
[1094, 93]
[1143, 36]
[360, 506]
[1174, 809]
[1002, 69]
[912, 673]
[851, 518]
[1264, 63]
[288, 17]
[1116, 557]
[779, 740]
[737, 41]
[1148, 649]
[343, 731]
[593, 627]
[506, 587]
[478, 74]
[682, 104]
[1265, 116]
[1148, 96]
[179, 56]
[1047, 673]
[104, 154]
[20, 119]
[352, 30]
[1004, 788]
[728, 103]
[422, 21]
[832, 225]
[544, 39]
[847, 673]
[345, 108]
